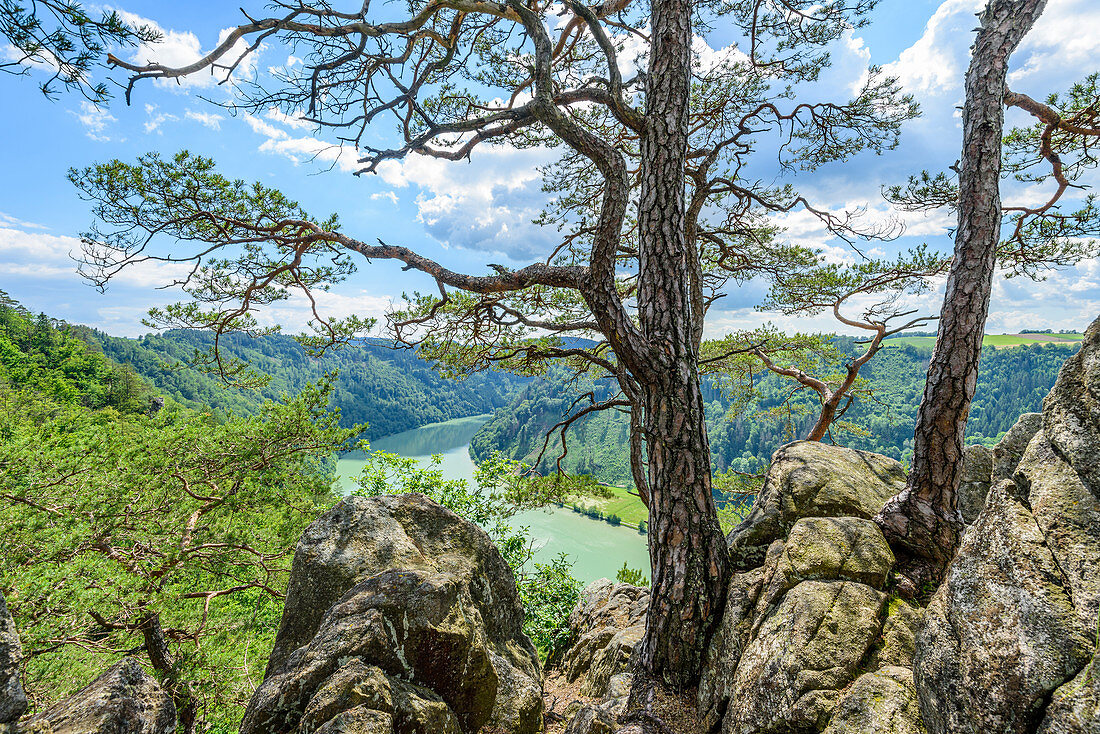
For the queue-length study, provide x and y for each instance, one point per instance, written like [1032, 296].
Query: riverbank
[597, 549]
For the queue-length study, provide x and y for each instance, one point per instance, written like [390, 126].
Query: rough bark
[687, 551]
[923, 521]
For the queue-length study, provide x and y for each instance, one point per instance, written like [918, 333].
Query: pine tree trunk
[687, 550]
[923, 521]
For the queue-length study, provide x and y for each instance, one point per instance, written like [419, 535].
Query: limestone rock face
[805, 650]
[606, 625]
[1010, 636]
[13, 702]
[1001, 632]
[1071, 412]
[811, 479]
[398, 608]
[977, 471]
[124, 700]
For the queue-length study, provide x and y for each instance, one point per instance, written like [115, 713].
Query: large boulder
[884, 702]
[812, 479]
[124, 700]
[606, 625]
[13, 702]
[805, 614]
[1001, 633]
[805, 651]
[398, 611]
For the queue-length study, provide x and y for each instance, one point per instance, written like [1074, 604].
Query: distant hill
[1011, 381]
[392, 390]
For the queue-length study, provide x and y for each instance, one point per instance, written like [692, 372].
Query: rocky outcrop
[124, 700]
[400, 616]
[810, 640]
[977, 474]
[1010, 449]
[13, 702]
[1010, 637]
[1001, 632]
[606, 625]
[884, 702]
[811, 479]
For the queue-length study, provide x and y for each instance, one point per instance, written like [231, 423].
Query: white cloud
[37, 255]
[387, 195]
[95, 120]
[300, 149]
[155, 118]
[209, 119]
[177, 49]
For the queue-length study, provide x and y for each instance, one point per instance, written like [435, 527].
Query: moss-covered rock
[883, 702]
[811, 479]
[1001, 632]
[831, 548]
[802, 653]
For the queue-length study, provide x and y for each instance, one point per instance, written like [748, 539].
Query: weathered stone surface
[1071, 412]
[592, 719]
[802, 653]
[13, 701]
[359, 720]
[830, 548]
[727, 645]
[811, 479]
[422, 597]
[883, 702]
[1075, 707]
[1069, 517]
[977, 470]
[898, 639]
[1010, 449]
[606, 625]
[1000, 633]
[124, 700]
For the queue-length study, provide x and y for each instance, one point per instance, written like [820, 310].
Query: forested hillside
[1011, 381]
[390, 390]
[102, 488]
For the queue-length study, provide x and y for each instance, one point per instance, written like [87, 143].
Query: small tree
[169, 535]
[656, 213]
[809, 359]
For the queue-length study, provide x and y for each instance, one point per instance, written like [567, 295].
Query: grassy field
[627, 506]
[997, 340]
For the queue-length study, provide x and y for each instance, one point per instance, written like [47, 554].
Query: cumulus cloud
[486, 205]
[299, 148]
[96, 121]
[175, 49]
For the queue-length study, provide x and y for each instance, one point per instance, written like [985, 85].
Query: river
[596, 549]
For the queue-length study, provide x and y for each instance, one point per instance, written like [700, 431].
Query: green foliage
[549, 593]
[632, 576]
[65, 42]
[110, 520]
[391, 390]
[44, 356]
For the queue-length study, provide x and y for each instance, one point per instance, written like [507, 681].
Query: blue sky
[469, 214]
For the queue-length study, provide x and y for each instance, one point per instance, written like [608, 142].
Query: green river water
[596, 548]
